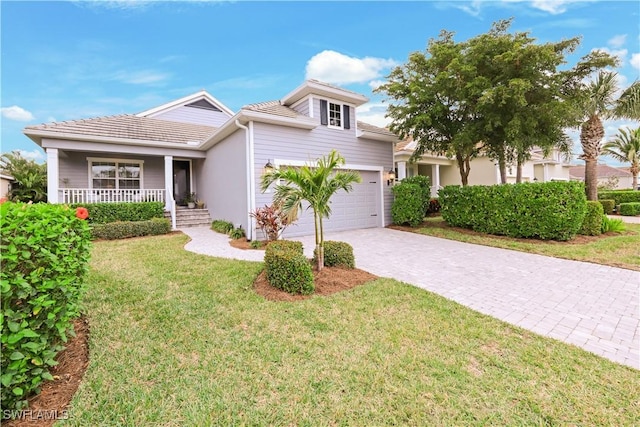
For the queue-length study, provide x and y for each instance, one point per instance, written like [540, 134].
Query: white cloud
[17, 113]
[374, 84]
[333, 67]
[617, 41]
[141, 77]
[35, 155]
[635, 61]
[554, 7]
[374, 114]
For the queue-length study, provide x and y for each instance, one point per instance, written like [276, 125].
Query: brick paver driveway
[589, 305]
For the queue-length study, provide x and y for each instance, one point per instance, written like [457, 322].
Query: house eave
[203, 94]
[316, 89]
[37, 136]
[246, 116]
[377, 136]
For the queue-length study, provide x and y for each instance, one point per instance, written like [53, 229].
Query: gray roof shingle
[272, 107]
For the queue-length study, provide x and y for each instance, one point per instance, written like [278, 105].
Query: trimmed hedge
[336, 254]
[630, 209]
[45, 252]
[103, 213]
[550, 210]
[592, 223]
[126, 229]
[287, 268]
[425, 186]
[608, 205]
[408, 207]
[620, 196]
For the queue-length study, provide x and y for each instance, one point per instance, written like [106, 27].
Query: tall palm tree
[313, 184]
[599, 103]
[625, 147]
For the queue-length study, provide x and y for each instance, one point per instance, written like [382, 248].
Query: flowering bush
[271, 221]
[45, 251]
[82, 213]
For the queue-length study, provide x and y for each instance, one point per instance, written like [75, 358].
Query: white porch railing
[90, 195]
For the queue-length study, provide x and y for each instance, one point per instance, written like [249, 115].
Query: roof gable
[315, 87]
[200, 99]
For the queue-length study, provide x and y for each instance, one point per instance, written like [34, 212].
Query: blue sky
[81, 59]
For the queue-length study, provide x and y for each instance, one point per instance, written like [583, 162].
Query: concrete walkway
[592, 306]
[628, 219]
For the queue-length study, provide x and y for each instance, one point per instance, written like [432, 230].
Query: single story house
[607, 175]
[5, 184]
[443, 171]
[197, 144]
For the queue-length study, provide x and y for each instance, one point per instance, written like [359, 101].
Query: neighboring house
[5, 184]
[443, 171]
[196, 144]
[606, 175]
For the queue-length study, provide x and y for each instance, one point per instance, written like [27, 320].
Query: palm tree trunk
[591, 178]
[321, 251]
[634, 171]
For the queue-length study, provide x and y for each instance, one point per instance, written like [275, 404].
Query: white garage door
[360, 208]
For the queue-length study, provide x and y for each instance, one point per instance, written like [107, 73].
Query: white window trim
[91, 160]
[341, 108]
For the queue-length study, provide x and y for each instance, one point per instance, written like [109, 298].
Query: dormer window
[334, 115]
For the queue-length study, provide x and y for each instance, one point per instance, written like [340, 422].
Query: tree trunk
[502, 165]
[464, 166]
[591, 178]
[519, 173]
[319, 252]
[634, 171]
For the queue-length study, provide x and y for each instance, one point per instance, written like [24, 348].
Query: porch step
[191, 217]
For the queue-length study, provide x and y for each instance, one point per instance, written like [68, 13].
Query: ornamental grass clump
[45, 251]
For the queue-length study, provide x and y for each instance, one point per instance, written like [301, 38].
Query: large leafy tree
[314, 184]
[598, 101]
[625, 147]
[30, 183]
[498, 94]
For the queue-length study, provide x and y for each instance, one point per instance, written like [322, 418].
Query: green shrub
[336, 254]
[284, 245]
[408, 207]
[222, 226]
[608, 205]
[614, 225]
[425, 187]
[620, 196]
[592, 223]
[126, 229]
[630, 209]
[550, 210]
[103, 213]
[288, 269]
[237, 233]
[45, 251]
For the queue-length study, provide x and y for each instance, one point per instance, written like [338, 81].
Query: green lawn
[180, 339]
[618, 250]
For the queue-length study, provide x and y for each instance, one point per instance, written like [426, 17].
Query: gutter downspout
[251, 200]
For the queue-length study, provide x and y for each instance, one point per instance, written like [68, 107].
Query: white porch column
[53, 178]
[168, 181]
[545, 173]
[402, 170]
[435, 174]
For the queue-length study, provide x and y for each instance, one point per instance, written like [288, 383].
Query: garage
[360, 208]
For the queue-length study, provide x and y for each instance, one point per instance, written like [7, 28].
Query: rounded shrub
[592, 223]
[45, 252]
[620, 196]
[408, 206]
[103, 213]
[425, 187]
[126, 229]
[286, 245]
[337, 254]
[607, 205]
[288, 269]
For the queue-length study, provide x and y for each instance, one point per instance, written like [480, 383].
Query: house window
[119, 175]
[334, 115]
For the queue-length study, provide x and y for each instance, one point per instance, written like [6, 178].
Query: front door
[181, 180]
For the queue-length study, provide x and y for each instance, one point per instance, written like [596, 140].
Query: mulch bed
[53, 401]
[328, 281]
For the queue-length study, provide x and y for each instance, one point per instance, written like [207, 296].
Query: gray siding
[198, 116]
[73, 166]
[222, 180]
[277, 142]
[303, 108]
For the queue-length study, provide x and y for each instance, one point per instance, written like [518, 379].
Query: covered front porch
[108, 177]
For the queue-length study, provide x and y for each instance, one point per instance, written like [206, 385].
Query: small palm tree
[625, 147]
[313, 184]
[599, 103]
